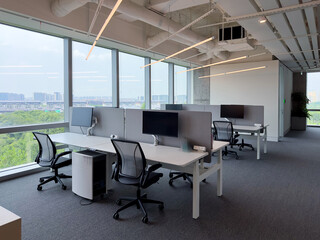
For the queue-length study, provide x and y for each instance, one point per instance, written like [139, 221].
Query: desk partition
[252, 114]
[193, 126]
[110, 121]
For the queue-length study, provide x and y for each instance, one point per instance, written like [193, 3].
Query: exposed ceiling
[291, 33]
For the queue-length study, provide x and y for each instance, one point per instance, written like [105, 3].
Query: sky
[33, 62]
[313, 84]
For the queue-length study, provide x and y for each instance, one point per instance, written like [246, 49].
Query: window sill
[19, 171]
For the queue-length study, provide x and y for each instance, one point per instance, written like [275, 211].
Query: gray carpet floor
[277, 197]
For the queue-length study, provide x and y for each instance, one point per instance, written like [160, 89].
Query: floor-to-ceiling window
[313, 93]
[132, 82]
[159, 84]
[180, 84]
[92, 78]
[31, 89]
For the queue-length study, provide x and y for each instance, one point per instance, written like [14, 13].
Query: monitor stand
[155, 140]
[95, 121]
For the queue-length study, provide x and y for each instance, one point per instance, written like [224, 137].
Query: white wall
[259, 87]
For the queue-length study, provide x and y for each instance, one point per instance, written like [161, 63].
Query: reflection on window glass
[313, 93]
[180, 85]
[131, 86]
[20, 148]
[31, 77]
[159, 84]
[92, 78]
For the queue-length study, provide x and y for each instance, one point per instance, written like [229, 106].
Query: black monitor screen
[160, 123]
[173, 106]
[232, 111]
[82, 116]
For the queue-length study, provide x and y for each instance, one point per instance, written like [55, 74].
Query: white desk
[169, 157]
[255, 130]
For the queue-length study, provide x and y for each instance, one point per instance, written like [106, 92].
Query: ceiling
[291, 33]
[291, 36]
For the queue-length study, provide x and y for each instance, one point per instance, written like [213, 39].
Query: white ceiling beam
[275, 11]
[299, 27]
[166, 6]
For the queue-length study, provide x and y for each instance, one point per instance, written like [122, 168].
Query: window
[132, 83]
[159, 84]
[92, 78]
[31, 77]
[313, 93]
[20, 148]
[180, 85]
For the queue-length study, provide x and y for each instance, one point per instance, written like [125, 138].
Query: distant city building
[43, 97]
[11, 96]
[57, 96]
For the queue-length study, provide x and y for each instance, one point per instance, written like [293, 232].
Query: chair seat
[62, 162]
[152, 178]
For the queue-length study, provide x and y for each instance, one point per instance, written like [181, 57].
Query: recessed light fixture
[181, 51]
[104, 25]
[262, 20]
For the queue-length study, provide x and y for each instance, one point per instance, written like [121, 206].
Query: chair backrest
[131, 160]
[223, 130]
[47, 149]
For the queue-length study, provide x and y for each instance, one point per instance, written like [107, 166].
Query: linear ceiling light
[238, 71]
[105, 25]
[181, 51]
[212, 64]
[225, 61]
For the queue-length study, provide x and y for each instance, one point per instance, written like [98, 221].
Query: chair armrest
[150, 169]
[154, 167]
[60, 155]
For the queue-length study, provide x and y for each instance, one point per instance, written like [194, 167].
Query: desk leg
[108, 172]
[265, 140]
[219, 175]
[196, 191]
[258, 144]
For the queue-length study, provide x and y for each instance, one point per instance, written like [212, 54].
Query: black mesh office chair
[130, 169]
[223, 131]
[47, 158]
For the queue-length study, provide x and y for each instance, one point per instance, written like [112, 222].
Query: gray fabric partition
[193, 126]
[110, 121]
[252, 114]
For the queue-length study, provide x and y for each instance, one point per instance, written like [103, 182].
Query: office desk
[169, 157]
[255, 130]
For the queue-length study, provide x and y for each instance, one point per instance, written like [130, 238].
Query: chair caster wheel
[237, 158]
[240, 149]
[170, 182]
[116, 216]
[118, 202]
[170, 175]
[145, 219]
[161, 206]
[64, 187]
[39, 188]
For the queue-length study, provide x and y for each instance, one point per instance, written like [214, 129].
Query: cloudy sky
[32, 62]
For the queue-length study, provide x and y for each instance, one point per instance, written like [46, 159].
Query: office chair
[243, 144]
[131, 169]
[47, 158]
[223, 131]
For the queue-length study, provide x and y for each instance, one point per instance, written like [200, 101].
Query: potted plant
[299, 112]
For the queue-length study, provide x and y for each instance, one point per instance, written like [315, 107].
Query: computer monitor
[232, 111]
[82, 116]
[160, 123]
[173, 106]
